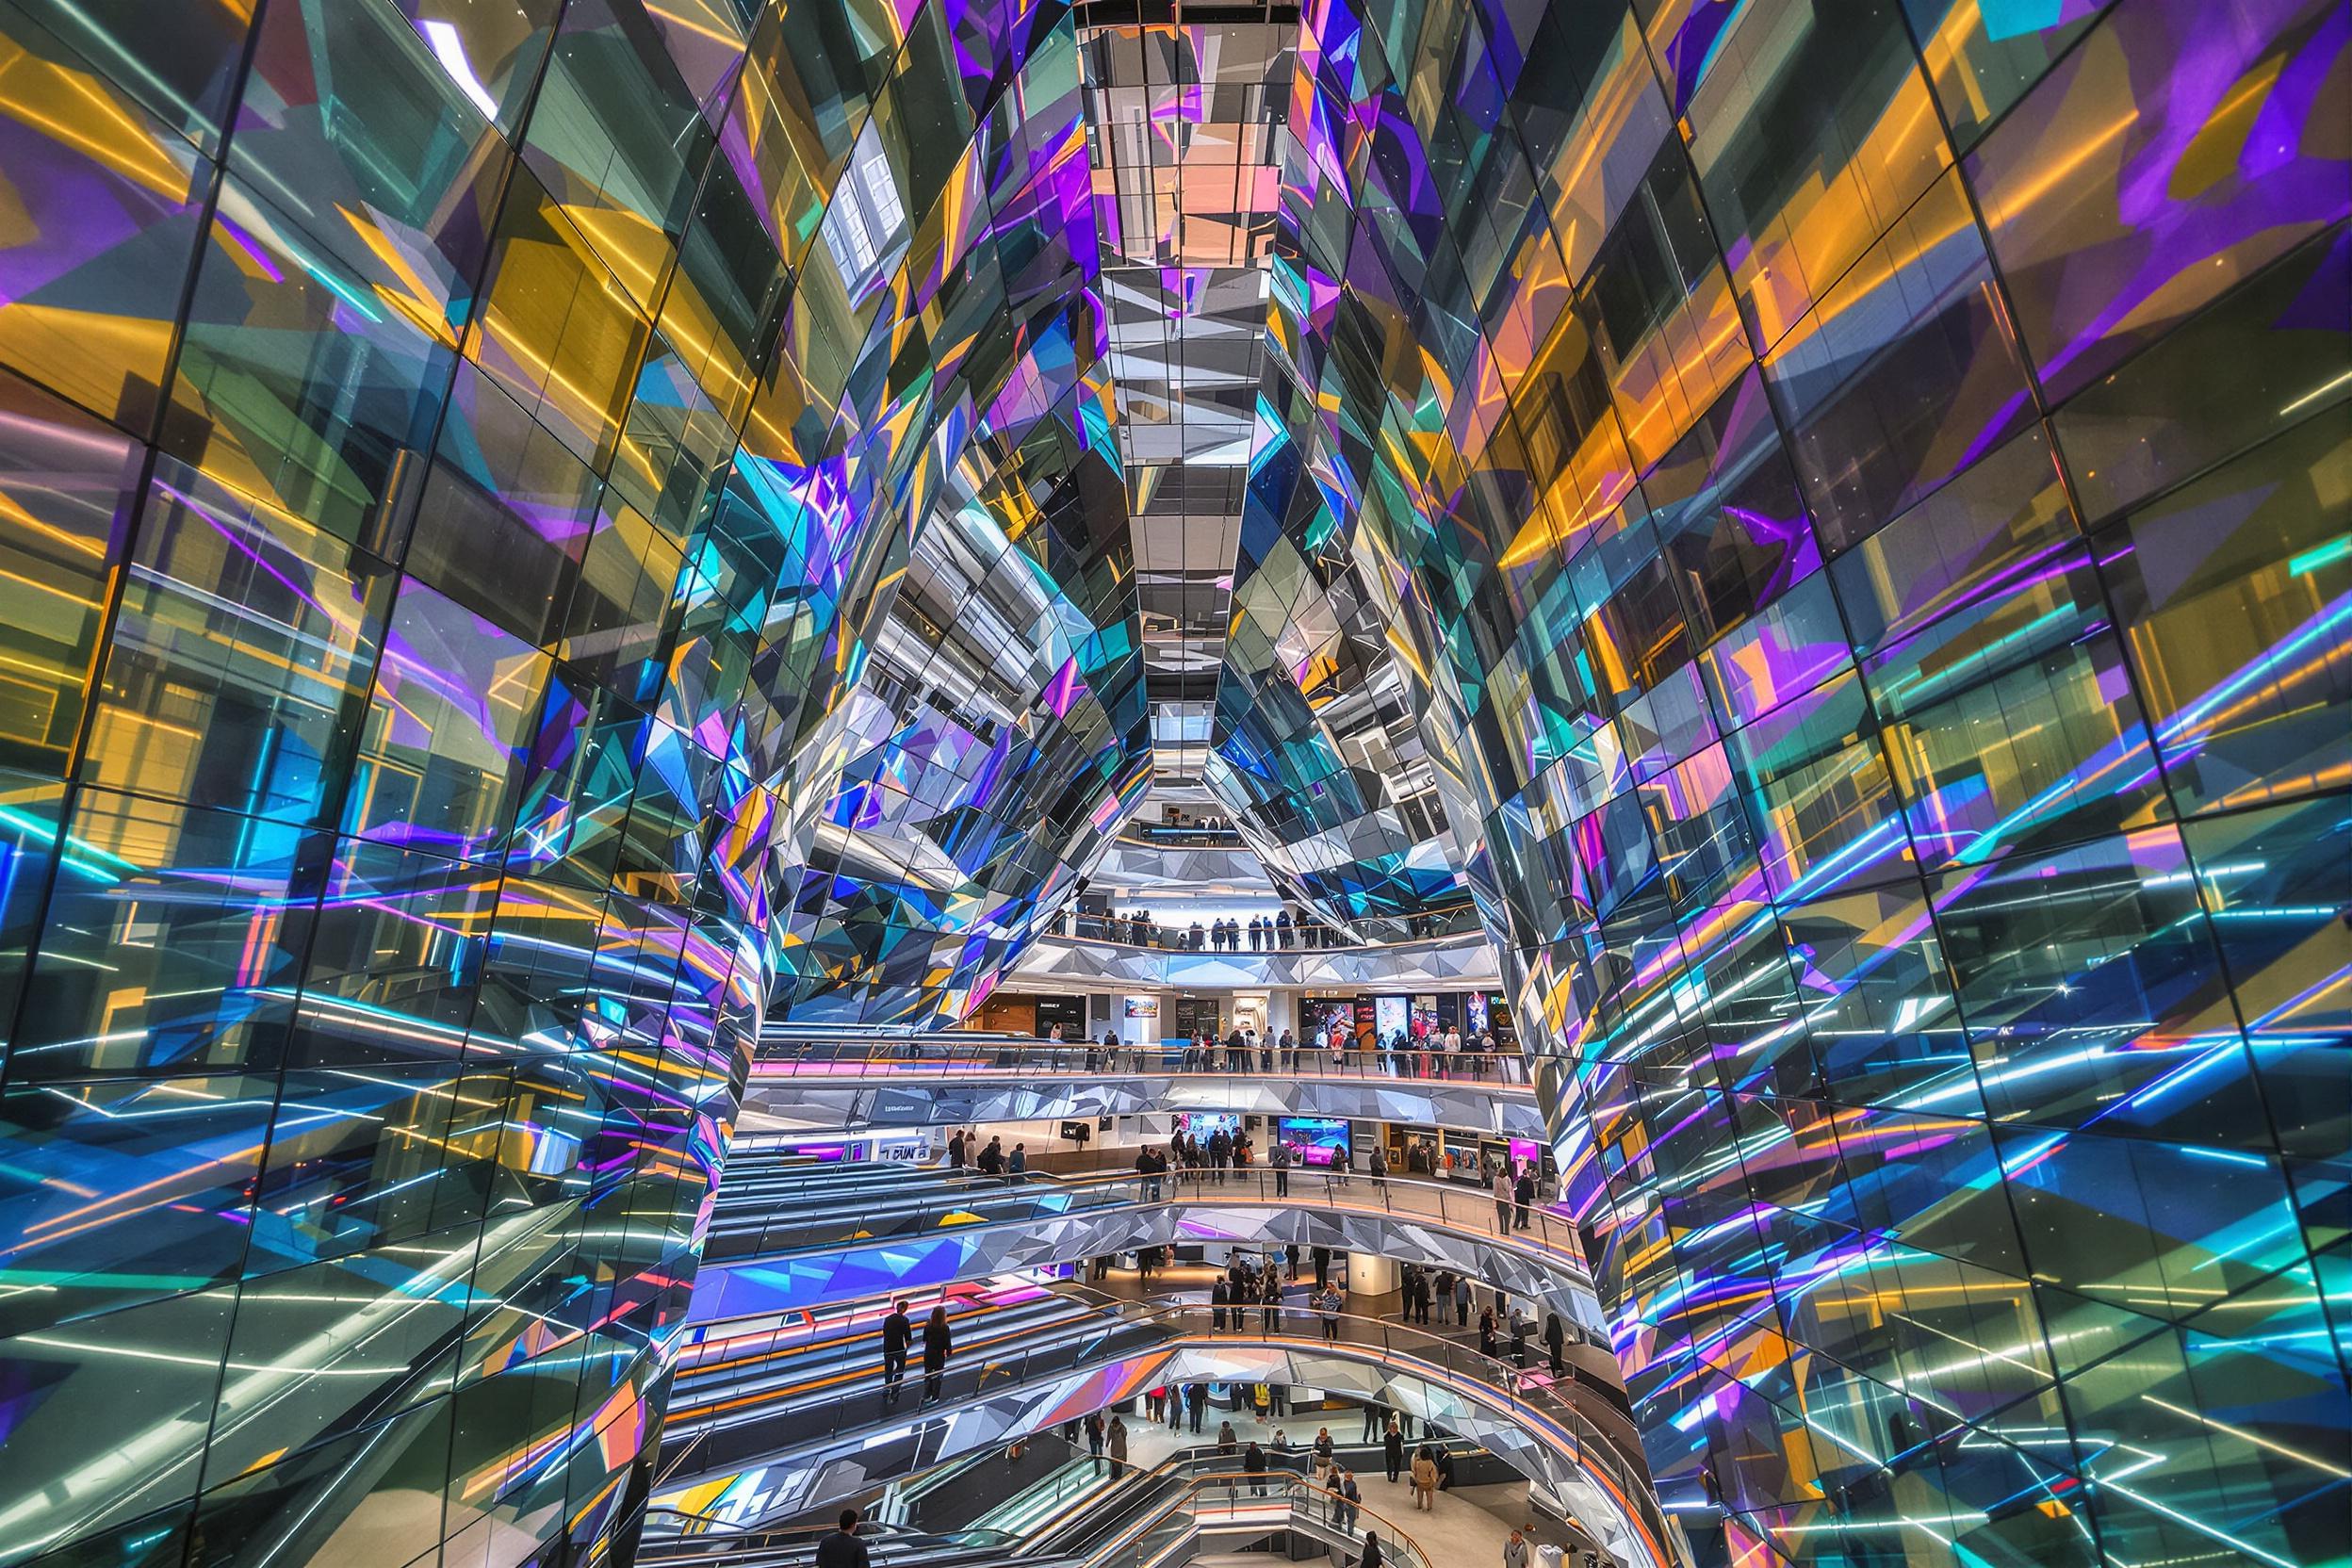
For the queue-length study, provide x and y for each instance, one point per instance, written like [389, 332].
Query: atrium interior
[1115, 784]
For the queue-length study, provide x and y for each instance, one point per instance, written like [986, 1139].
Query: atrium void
[1623, 727]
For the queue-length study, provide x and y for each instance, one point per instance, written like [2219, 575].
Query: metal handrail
[1322, 1507]
[1460, 921]
[1114, 1329]
[1541, 1231]
[785, 1054]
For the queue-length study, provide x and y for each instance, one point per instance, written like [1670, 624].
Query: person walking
[1424, 1478]
[1556, 1341]
[1351, 1505]
[1253, 1465]
[1503, 1198]
[898, 1332]
[1279, 1157]
[937, 1344]
[1117, 1442]
[840, 1548]
[1461, 1302]
[1393, 1449]
[1515, 1552]
[1523, 1191]
[1375, 1415]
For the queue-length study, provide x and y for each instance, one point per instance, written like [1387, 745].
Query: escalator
[785, 1420]
[686, 1540]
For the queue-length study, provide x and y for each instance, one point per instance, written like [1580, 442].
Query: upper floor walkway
[822, 1080]
[1459, 958]
[790, 1236]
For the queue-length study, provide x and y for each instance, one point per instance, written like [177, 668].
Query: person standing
[1379, 1166]
[1197, 1402]
[991, 1162]
[1228, 1445]
[937, 1344]
[1393, 1449]
[1523, 1191]
[1515, 1550]
[1270, 1304]
[1118, 1446]
[1503, 1200]
[1017, 1169]
[1556, 1341]
[1424, 1478]
[1519, 1326]
[1279, 1157]
[1253, 1465]
[1096, 1435]
[840, 1548]
[955, 1150]
[1221, 1296]
[1461, 1302]
[1328, 1305]
[898, 1332]
[1288, 1045]
[1486, 1332]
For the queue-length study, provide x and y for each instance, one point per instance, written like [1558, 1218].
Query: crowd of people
[1276, 933]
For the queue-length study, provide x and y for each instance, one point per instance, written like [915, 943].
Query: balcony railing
[1307, 937]
[785, 1052]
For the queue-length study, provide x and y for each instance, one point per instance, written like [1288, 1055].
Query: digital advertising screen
[1320, 1021]
[1388, 1016]
[1320, 1139]
[1424, 1016]
[1476, 1008]
[1202, 1124]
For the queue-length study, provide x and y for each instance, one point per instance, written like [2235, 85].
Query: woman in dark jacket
[1371, 1558]
[1219, 1294]
[936, 1343]
[1486, 1332]
[1393, 1448]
